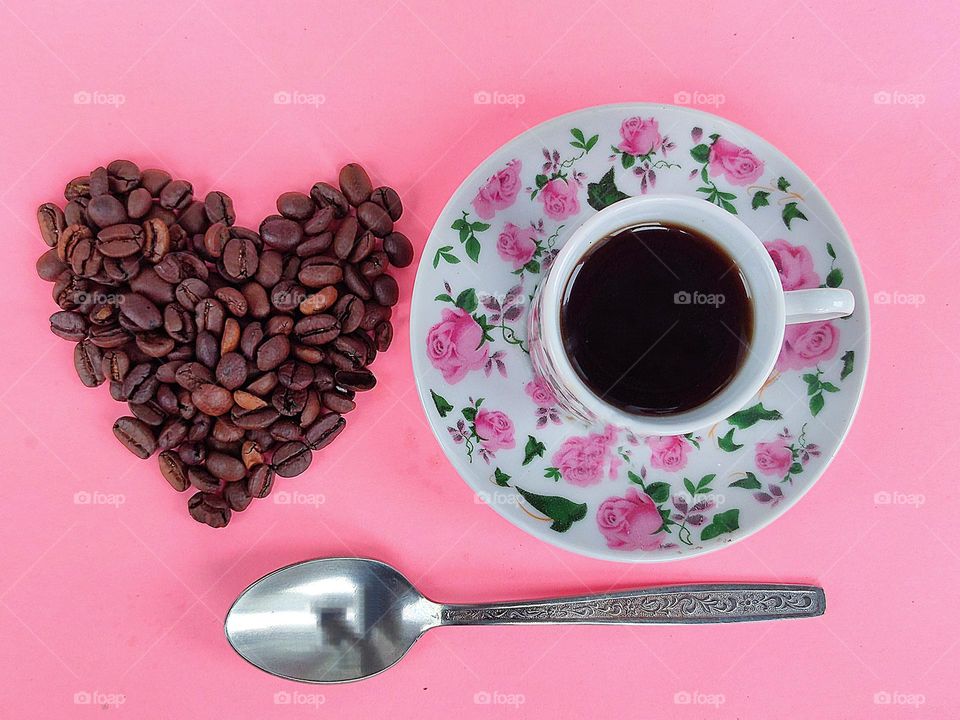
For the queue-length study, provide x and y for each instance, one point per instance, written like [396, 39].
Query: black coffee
[656, 319]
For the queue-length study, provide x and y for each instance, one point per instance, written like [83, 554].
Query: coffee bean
[49, 266]
[324, 431]
[115, 364]
[374, 218]
[355, 379]
[295, 375]
[87, 359]
[173, 433]
[176, 195]
[124, 176]
[69, 325]
[320, 274]
[153, 181]
[320, 220]
[375, 264]
[250, 454]
[349, 312]
[52, 222]
[230, 340]
[226, 467]
[281, 233]
[232, 371]
[296, 206]
[120, 240]
[399, 249]
[291, 459]
[240, 260]
[258, 304]
[345, 237]
[316, 329]
[383, 333]
[236, 497]
[356, 283]
[248, 401]
[193, 220]
[219, 208]
[173, 470]
[212, 399]
[140, 311]
[325, 195]
[385, 290]
[272, 352]
[136, 436]
[389, 200]
[319, 301]
[105, 210]
[233, 301]
[355, 183]
[338, 402]
[209, 509]
[156, 240]
[257, 419]
[226, 431]
[99, 182]
[140, 383]
[260, 481]
[139, 203]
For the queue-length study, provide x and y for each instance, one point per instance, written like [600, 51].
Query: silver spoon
[341, 619]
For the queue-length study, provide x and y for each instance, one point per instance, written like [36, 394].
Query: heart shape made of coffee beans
[237, 351]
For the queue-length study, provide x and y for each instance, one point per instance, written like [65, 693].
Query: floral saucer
[599, 490]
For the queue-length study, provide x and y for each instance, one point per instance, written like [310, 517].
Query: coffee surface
[656, 319]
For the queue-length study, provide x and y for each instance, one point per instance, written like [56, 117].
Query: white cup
[772, 310]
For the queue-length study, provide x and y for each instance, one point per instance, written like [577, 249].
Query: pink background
[122, 597]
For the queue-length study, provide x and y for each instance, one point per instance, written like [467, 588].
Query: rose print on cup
[583, 461]
[482, 430]
[631, 522]
[640, 142]
[806, 344]
[794, 264]
[559, 198]
[455, 345]
[498, 192]
[783, 459]
[668, 452]
[543, 397]
[773, 458]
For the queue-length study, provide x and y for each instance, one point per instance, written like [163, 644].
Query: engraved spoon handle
[654, 606]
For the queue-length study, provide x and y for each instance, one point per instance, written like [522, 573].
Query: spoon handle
[679, 604]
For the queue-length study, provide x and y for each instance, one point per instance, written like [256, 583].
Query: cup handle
[817, 304]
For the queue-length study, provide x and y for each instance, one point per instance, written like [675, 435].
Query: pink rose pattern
[807, 344]
[737, 164]
[794, 264]
[516, 245]
[639, 136]
[454, 345]
[669, 452]
[630, 522]
[773, 458]
[499, 192]
[559, 198]
[583, 460]
[494, 429]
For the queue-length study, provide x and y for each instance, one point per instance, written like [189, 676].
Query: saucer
[599, 490]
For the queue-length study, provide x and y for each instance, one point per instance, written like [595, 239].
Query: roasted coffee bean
[287, 401]
[240, 259]
[227, 431]
[124, 176]
[99, 182]
[233, 300]
[319, 275]
[374, 314]
[325, 195]
[374, 218]
[295, 206]
[153, 181]
[291, 459]
[120, 240]
[324, 431]
[389, 200]
[269, 269]
[173, 470]
[319, 301]
[230, 340]
[200, 427]
[172, 434]
[139, 203]
[316, 329]
[192, 453]
[345, 237]
[219, 208]
[295, 375]
[109, 336]
[355, 183]
[320, 220]
[273, 352]
[279, 325]
[105, 210]
[176, 195]
[337, 402]
[365, 245]
[315, 245]
[349, 312]
[285, 430]
[399, 249]
[250, 339]
[215, 238]
[281, 233]
[193, 220]
[385, 290]
[115, 364]
[152, 413]
[312, 409]
[68, 239]
[232, 370]
[191, 291]
[210, 316]
[355, 379]
[157, 240]
[225, 467]
[374, 265]
[140, 311]
[250, 454]
[207, 349]
[212, 399]
[140, 383]
[259, 481]
[74, 213]
[209, 509]
[356, 283]
[236, 497]
[248, 401]
[192, 375]
[52, 222]
[136, 436]
[257, 419]
[203, 479]
[77, 188]
[258, 304]
[49, 266]
[383, 334]
[263, 384]
[69, 325]
[87, 359]
[149, 284]
[178, 323]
